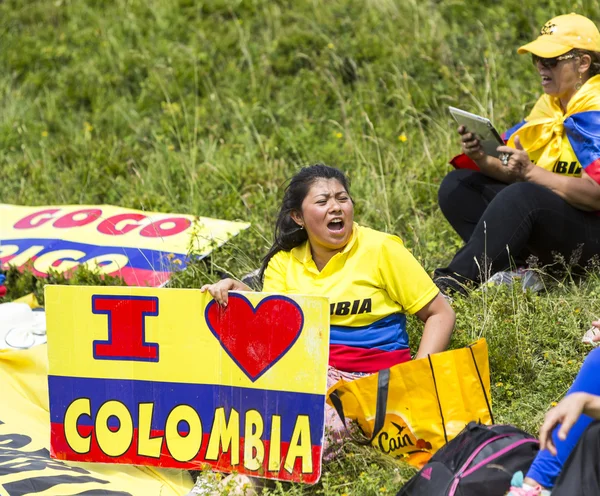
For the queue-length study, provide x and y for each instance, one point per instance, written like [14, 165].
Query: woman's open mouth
[336, 225]
[546, 80]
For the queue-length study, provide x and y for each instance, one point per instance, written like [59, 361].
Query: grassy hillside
[207, 107]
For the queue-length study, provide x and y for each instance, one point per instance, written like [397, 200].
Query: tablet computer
[483, 128]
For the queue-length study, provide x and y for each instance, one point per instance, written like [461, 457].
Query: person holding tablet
[542, 196]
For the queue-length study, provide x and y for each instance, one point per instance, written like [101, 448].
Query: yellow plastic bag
[412, 409]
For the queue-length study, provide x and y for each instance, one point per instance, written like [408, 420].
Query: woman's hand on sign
[518, 163]
[219, 290]
[470, 144]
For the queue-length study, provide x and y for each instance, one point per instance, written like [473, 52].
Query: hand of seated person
[518, 165]
[470, 144]
[566, 413]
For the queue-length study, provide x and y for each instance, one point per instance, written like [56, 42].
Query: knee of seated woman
[451, 187]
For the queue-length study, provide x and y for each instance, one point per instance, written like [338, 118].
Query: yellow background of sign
[188, 351]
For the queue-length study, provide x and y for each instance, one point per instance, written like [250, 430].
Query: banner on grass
[141, 247]
[167, 377]
[25, 464]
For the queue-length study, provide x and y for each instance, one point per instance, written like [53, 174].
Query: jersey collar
[303, 254]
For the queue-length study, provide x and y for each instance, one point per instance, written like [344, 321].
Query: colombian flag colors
[167, 377]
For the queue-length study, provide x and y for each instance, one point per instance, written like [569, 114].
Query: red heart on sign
[255, 338]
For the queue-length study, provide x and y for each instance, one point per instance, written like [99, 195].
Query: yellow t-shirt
[371, 285]
[566, 165]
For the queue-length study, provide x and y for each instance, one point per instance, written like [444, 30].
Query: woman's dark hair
[288, 234]
[595, 56]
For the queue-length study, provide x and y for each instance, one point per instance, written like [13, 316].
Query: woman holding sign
[544, 196]
[371, 279]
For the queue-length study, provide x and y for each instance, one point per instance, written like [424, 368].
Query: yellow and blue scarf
[545, 125]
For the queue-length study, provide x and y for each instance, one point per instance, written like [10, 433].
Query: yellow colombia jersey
[567, 163]
[371, 285]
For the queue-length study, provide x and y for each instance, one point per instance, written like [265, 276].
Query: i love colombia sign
[167, 377]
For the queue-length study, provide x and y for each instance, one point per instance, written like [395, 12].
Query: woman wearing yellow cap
[544, 196]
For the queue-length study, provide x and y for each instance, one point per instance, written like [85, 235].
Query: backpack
[481, 460]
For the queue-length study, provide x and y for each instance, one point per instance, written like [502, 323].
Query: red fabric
[463, 162]
[2, 291]
[369, 360]
[593, 170]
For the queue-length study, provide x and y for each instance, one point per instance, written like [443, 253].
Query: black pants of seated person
[580, 475]
[508, 223]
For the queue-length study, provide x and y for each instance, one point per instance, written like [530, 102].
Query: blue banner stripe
[204, 398]
[509, 132]
[139, 258]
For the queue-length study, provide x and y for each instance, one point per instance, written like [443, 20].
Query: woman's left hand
[518, 165]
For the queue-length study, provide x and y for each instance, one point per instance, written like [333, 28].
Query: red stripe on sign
[166, 452]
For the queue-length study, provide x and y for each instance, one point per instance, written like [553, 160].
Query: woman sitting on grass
[544, 197]
[569, 462]
[319, 250]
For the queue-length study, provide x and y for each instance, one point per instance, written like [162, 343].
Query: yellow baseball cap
[563, 33]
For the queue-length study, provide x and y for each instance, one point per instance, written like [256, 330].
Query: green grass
[207, 107]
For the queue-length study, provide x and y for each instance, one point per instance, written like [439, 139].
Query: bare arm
[581, 192]
[439, 321]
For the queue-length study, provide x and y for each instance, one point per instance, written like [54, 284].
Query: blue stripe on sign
[139, 258]
[204, 398]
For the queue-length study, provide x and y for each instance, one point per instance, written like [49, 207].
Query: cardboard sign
[167, 377]
[141, 247]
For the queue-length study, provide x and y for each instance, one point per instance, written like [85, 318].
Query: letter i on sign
[126, 327]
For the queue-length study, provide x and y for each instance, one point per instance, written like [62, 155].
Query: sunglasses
[551, 63]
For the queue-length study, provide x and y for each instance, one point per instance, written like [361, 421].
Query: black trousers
[503, 224]
[580, 475]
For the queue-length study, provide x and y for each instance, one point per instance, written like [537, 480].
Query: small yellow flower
[172, 108]
[331, 46]
[87, 127]
[177, 262]
[170, 148]
[44, 134]
[570, 362]
[577, 310]
[344, 494]
[499, 384]
[402, 138]
[339, 135]
[554, 403]
[383, 489]
[171, 256]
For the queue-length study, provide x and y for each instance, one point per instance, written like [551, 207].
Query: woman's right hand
[470, 144]
[219, 290]
[566, 413]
